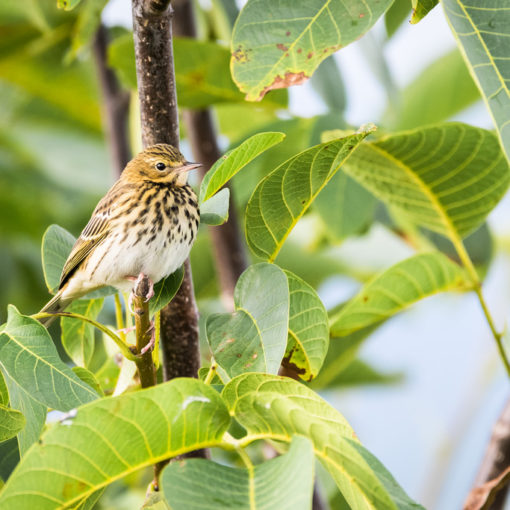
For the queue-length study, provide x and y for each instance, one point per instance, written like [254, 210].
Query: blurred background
[425, 389]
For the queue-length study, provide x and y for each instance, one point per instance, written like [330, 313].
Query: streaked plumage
[146, 223]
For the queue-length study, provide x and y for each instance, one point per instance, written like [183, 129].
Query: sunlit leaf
[282, 197]
[397, 288]
[57, 243]
[233, 161]
[67, 4]
[254, 337]
[11, 422]
[308, 330]
[28, 355]
[4, 393]
[448, 81]
[214, 211]
[88, 377]
[278, 44]
[165, 290]
[78, 335]
[482, 31]
[277, 407]
[421, 8]
[113, 437]
[446, 178]
[285, 482]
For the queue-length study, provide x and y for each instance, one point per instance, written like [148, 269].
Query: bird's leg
[150, 345]
[137, 280]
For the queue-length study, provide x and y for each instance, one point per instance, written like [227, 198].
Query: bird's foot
[152, 341]
[137, 280]
[126, 330]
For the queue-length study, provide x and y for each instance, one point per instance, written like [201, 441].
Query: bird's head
[159, 163]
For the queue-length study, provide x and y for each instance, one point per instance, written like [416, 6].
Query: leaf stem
[126, 351]
[212, 372]
[477, 287]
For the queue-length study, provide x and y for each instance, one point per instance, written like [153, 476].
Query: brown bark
[228, 249]
[115, 105]
[496, 460]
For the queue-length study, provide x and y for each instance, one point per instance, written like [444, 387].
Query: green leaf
[33, 411]
[57, 244]
[397, 288]
[254, 337]
[29, 357]
[285, 194]
[279, 408]
[346, 207]
[88, 377]
[9, 457]
[421, 8]
[77, 335]
[233, 161]
[165, 290]
[360, 373]
[482, 31]
[214, 211]
[4, 392]
[395, 16]
[112, 437]
[308, 339]
[446, 178]
[67, 5]
[449, 82]
[86, 26]
[285, 483]
[278, 44]
[11, 422]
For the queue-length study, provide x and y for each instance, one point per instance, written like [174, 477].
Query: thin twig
[495, 462]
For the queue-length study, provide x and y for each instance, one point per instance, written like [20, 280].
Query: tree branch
[228, 249]
[115, 105]
[496, 460]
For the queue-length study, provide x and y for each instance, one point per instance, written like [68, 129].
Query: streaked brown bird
[144, 225]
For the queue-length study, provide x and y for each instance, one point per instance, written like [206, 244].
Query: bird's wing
[95, 231]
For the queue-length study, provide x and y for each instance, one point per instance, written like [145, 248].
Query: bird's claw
[152, 341]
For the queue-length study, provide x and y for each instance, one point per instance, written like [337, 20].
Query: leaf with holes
[78, 335]
[283, 196]
[285, 483]
[279, 44]
[254, 337]
[29, 357]
[112, 437]
[279, 408]
[446, 177]
[308, 340]
[397, 288]
[233, 161]
[482, 30]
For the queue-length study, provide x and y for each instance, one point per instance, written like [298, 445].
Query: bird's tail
[55, 305]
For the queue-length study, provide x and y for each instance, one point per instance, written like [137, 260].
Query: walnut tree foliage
[75, 428]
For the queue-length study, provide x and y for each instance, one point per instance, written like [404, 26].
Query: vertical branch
[496, 460]
[228, 249]
[160, 124]
[115, 104]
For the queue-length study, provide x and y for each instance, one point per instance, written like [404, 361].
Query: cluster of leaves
[437, 185]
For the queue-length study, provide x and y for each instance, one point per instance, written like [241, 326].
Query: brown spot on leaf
[248, 365]
[287, 33]
[299, 50]
[290, 369]
[282, 47]
[230, 340]
[282, 83]
[241, 54]
[238, 354]
[255, 355]
[365, 299]
[310, 55]
[361, 15]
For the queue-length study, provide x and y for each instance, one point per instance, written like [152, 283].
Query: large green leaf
[33, 411]
[11, 422]
[279, 408]
[282, 197]
[482, 30]
[233, 161]
[278, 44]
[397, 288]
[28, 355]
[446, 178]
[254, 337]
[283, 483]
[113, 437]
[448, 81]
[308, 330]
[77, 335]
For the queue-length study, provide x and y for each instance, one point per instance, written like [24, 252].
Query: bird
[144, 225]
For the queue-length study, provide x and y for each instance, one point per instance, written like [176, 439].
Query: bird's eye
[160, 166]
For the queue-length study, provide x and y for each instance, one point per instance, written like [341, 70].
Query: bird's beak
[187, 167]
